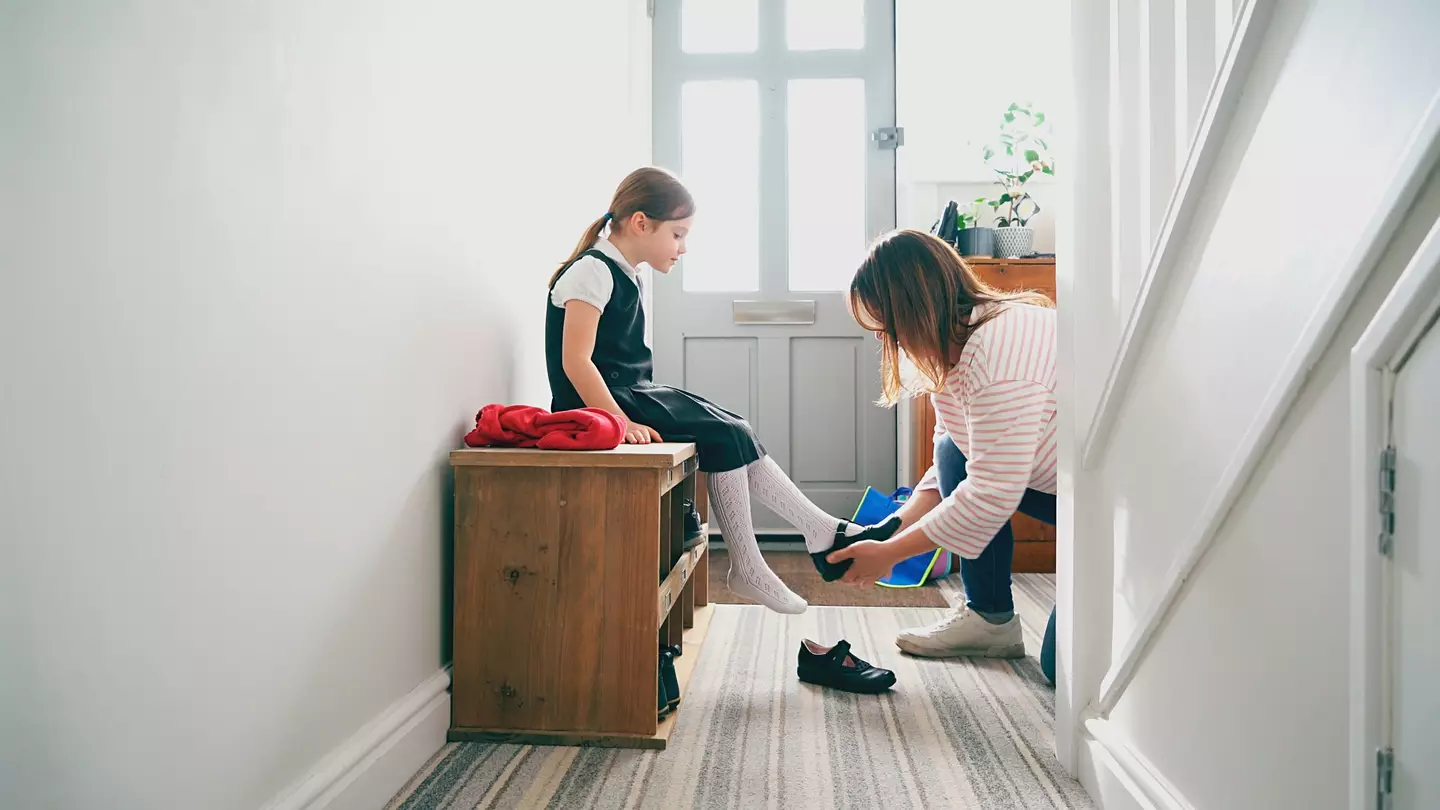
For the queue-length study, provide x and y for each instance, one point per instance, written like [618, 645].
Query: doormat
[799, 575]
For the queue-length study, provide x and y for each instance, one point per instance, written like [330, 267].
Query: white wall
[262, 262]
[1262, 252]
[1255, 657]
[1242, 701]
[958, 65]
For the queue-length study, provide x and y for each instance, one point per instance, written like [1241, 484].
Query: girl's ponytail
[587, 241]
[654, 192]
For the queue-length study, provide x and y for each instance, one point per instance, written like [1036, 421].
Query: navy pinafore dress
[723, 440]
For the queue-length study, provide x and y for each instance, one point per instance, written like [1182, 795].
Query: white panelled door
[778, 115]
[1415, 592]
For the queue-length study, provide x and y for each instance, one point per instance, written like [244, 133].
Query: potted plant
[1020, 154]
[971, 239]
[962, 229]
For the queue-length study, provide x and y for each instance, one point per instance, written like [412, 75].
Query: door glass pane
[825, 25]
[827, 182]
[720, 163]
[719, 26]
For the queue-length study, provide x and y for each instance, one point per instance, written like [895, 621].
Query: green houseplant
[971, 238]
[1019, 155]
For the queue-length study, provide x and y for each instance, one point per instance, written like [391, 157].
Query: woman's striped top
[998, 405]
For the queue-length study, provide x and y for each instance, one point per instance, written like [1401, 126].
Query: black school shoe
[692, 525]
[667, 674]
[837, 668]
[667, 685]
[832, 571]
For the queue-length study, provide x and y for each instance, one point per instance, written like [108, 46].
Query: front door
[777, 115]
[1415, 580]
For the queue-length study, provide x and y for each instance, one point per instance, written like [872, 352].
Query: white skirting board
[1106, 782]
[1119, 778]
[370, 767]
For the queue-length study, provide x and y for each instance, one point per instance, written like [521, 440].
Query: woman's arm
[1007, 421]
[1007, 424]
[920, 503]
[581, 322]
[874, 559]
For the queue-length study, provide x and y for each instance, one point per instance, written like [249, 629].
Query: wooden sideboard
[1034, 541]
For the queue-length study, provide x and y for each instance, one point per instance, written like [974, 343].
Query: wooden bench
[570, 572]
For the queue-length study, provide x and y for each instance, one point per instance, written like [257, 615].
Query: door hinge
[650, 9]
[1384, 776]
[1386, 538]
[889, 137]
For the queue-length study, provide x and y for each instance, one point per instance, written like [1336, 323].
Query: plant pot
[975, 242]
[1013, 243]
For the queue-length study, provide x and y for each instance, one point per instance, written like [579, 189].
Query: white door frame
[679, 313]
[1392, 334]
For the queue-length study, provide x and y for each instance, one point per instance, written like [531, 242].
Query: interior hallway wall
[260, 263]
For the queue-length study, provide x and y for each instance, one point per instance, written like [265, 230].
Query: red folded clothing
[527, 426]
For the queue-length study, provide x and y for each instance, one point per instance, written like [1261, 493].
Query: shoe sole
[1000, 651]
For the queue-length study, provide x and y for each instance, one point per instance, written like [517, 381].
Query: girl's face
[661, 243]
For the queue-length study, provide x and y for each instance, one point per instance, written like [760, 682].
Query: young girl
[989, 359]
[597, 356]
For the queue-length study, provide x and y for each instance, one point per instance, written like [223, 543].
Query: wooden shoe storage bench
[570, 573]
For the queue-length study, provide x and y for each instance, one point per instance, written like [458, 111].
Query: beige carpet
[954, 734]
[797, 571]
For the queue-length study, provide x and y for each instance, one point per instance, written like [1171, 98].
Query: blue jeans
[987, 577]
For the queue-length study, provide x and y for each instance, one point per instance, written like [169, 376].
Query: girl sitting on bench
[597, 356]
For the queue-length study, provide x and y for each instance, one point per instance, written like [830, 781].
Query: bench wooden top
[660, 456]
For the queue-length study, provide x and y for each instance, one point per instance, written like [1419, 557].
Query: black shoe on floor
[836, 668]
[692, 526]
[668, 678]
[663, 705]
[832, 571]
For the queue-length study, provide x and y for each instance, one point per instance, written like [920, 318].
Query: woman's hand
[636, 433]
[871, 560]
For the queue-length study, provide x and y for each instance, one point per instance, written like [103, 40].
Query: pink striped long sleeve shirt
[998, 405]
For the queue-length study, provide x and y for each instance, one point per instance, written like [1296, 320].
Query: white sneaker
[962, 634]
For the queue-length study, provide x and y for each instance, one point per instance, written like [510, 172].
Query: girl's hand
[636, 433]
[871, 560]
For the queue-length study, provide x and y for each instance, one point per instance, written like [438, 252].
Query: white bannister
[1159, 81]
[1195, 45]
[1122, 65]
[1215, 120]
[1410, 171]
[1128, 244]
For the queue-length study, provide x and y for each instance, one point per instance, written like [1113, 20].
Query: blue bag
[874, 507]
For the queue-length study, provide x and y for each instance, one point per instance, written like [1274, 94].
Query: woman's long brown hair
[916, 290]
[651, 191]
